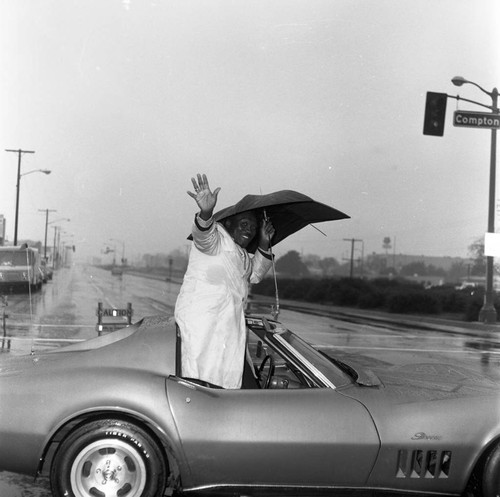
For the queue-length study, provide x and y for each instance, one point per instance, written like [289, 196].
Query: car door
[304, 436]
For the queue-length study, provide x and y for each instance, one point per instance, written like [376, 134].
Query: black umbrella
[289, 211]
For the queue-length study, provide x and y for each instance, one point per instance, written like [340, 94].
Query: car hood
[419, 404]
[434, 381]
[423, 381]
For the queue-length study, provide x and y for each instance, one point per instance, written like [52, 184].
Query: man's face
[243, 228]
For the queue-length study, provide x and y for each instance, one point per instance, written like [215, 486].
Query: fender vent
[423, 464]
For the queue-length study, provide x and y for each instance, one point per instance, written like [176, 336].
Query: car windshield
[291, 352]
[322, 366]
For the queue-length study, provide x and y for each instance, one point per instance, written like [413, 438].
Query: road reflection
[463, 344]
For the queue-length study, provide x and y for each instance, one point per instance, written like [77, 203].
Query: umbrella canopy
[289, 211]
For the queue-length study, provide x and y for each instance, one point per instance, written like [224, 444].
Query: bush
[452, 301]
[393, 295]
[472, 308]
[320, 291]
[294, 289]
[414, 302]
[372, 300]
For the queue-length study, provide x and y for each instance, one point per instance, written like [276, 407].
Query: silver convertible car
[114, 416]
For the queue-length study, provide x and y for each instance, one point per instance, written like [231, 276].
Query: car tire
[109, 457]
[491, 474]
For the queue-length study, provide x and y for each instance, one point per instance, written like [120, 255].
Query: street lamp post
[19, 153]
[57, 242]
[46, 226]
[488, 313]
[54, 251]
[45, 171]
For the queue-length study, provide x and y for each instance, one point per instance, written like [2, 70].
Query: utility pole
[54, 251]
[353, 241]
[46, 226]
[19, 152]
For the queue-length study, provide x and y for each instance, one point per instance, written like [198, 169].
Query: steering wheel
[267, 380]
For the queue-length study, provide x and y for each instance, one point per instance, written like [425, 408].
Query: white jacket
[211, 304]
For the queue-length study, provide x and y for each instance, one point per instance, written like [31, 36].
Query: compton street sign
[469, 119]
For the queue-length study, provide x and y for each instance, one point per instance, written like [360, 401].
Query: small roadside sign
[104, 328]
[492, 244]
[120, 318]
[469, 119]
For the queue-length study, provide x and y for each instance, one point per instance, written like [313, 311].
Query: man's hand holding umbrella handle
[266, 234]
[205, 198]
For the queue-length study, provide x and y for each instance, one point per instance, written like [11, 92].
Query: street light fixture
[60, 219]
[488, 313]
[44, 171]
[459, 81]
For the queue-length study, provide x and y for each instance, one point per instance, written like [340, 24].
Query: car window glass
[285, 376]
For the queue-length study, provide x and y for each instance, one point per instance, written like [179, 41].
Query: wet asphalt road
[65, 311]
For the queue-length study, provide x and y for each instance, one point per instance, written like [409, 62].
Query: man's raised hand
[204, 197]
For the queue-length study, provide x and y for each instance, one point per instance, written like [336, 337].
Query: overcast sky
[125, 100]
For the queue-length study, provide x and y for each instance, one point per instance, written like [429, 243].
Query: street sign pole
[488, 313]
[434, 117]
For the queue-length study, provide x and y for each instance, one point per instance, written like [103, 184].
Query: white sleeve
[206, 237]
[260, 265]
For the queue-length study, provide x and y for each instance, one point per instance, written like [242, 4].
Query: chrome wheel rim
[108, 468]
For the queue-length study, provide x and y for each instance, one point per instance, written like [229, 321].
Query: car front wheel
[491, 475]
[108, 458]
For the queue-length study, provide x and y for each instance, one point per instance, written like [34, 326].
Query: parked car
[47, 271]
[114, 416]
[465, 285]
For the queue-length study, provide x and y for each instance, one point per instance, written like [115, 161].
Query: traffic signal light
[435, 113]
